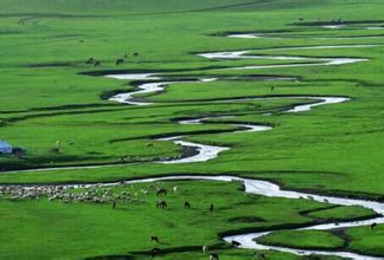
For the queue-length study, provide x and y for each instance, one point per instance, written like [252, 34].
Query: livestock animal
[124, 158]
[161, 204]
[155, 252]
[373, 225]
[119, 61]
[155, 239]
[161, 192]
[187, 205]
[214, 257]
[90, 61]
[55, 150]
[235, 243]
[205, 249]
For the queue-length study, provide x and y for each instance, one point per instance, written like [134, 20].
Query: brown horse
[119, 61]
[161, 204]
[161, 192]
[155, 239]
[214, 257]
[373, 225]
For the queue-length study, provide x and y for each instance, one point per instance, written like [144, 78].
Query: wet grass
[311, 239]
[50, 94]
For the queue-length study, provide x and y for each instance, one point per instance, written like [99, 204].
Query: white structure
[5, 148]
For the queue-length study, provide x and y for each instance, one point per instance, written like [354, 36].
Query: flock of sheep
[98, 194]
[93, 194]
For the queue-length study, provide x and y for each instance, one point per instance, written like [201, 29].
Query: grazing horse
[155, 239]
[187, 205]
[119, 61]
[161, 204]
[213, 257]
[373, 225]
[205, 249]
[155, 252]
[235, 243]
[161, 192]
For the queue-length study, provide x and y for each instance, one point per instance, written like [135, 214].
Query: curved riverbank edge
[269, 189]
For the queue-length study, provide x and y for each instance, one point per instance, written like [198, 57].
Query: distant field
[49, 94]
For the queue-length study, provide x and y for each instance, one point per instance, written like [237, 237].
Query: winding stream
[255, 186]
[268, 189]
[283, 36]
[209, 152]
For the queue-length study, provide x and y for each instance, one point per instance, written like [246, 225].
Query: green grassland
[89, 230]
[307, 239]
[48, 93]
[360, 239]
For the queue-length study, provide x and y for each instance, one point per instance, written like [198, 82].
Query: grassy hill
[49, 93]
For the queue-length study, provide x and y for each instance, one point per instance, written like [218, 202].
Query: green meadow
[49, 94]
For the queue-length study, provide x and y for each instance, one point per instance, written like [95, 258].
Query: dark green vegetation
[48, 95]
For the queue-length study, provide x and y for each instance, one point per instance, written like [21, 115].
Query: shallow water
[273, 36]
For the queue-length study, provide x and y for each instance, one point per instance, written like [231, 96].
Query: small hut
[5, 148]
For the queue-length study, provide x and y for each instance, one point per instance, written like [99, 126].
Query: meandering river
[206, 152]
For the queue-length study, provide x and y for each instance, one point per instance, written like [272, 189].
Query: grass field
[50, 94]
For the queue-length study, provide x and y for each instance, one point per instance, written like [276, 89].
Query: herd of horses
[119, 61]
[187, 205]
